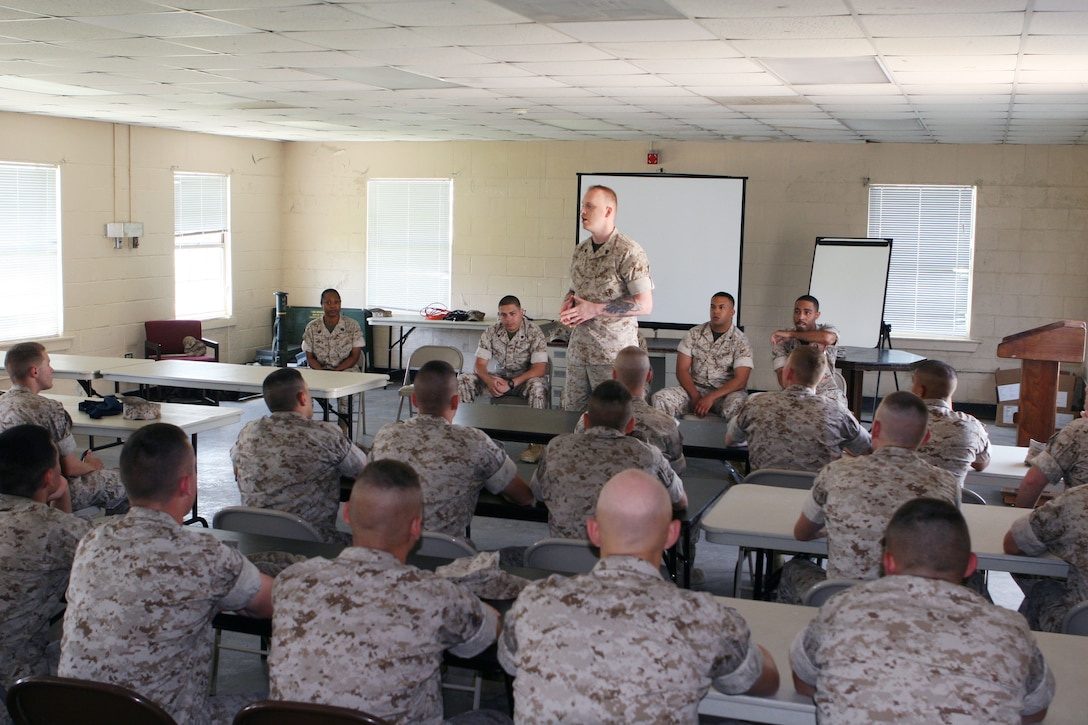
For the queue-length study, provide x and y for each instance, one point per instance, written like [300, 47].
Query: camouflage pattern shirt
[621, 645]
[37, 544]
[20, 405]
[826, 387]
[713, 361]
[956, 440]
[141, 598]
[575, 467]
[796, 429]
[618, 269]
[332, 348]
[1060, 527]
[287, 462]
[655, 428]
[1066, 455]
[512, 356]
[453, 462]
[905, 649]
[366, 632]
[856, 497]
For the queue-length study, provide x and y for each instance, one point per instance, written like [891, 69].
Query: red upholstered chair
[164, 340]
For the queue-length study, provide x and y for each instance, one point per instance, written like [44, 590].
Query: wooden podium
[1042, 349]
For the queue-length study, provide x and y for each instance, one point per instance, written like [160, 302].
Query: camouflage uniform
[37, 544]
[618, 269]
[713, 363]
[855, 499]
[141, 599]
[453, 462]
[912, 650]
[1066, 455]
[332, 348]
[99, 488]
[656, 429]
[289, 463]
[826, 387]
[366, 632]
[512, 357]
[622, 645]
[956, 440]
[796, 429]
[1060, 527]
[576, 466]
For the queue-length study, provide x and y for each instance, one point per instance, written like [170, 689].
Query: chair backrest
[443, 546]
[46, 700]
[170, 333]
[282, 712]
[820, 592]
[264, 522]
[425, 353]
[1076, 620]
[568, 556]
[969, 496]
[781, 478]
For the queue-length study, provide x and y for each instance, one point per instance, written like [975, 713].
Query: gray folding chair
[1076, 620]
[820, 592]
[443, 546]
[284, 712]
[420, 357]
[782, 478]
[264, 522]
[567, 556]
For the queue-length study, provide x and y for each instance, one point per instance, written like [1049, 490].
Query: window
[31, 297]
[201, 240]
[933, 233]
[409, 237]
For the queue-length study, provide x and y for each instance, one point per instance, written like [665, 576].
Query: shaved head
[633, 516]
[903, 419]
[385, 501]
[632, 366]
[936, 378]
[929, 538]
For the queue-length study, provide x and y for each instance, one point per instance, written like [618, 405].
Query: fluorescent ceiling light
[827, 71]
[34, 85]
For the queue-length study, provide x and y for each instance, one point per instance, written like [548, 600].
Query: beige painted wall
[299, 219]
[515, 205]
[113, 172]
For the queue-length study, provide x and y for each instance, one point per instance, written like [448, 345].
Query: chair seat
[406, 391]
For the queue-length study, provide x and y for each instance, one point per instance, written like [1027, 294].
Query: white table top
[775, 625]
[418, 321]
[762, 517]
[190, 418]
[241, 378]
[86, 367]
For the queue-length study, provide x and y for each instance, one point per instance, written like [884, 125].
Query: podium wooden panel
[1041, 349]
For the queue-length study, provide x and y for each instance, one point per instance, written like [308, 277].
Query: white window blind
[933, 233]
[31, 296]
[201, 239]
[409, 238]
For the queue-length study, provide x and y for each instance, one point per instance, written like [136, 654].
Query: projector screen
[692, 228]
[849, 278]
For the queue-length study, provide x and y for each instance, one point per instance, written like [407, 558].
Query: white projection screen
[692, 228]
[849, 278]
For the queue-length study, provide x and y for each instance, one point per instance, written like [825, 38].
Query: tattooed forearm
[623, 307]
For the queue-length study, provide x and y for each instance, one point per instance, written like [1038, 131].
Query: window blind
[201, 235]
[31, 296]
[933, 233]
[409, 238]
